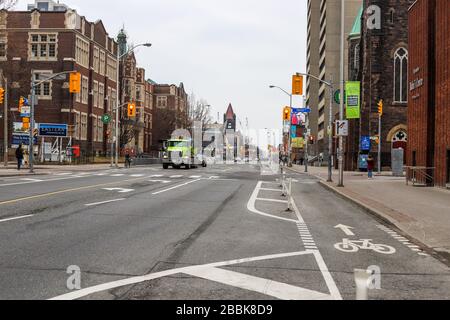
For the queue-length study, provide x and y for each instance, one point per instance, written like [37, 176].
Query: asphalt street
[219, 233]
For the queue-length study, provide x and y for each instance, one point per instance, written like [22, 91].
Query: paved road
[217, 233]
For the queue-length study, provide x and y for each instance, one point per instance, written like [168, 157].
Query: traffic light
[131, 110]
[380, 107]
[2, 95]
[75, 82]
[26, 123]
[287, 114]
[297, 85]
[311, 140]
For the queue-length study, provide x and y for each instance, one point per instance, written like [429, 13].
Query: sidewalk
[421, 213]
[11, 170]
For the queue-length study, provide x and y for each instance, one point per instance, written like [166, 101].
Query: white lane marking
[119, 190]
[64, 174]
[103, 202]
[157, 176]
[176, 187]
[267, 287]
[195, 177]
[268, 189]
[176, 177]
[135, 280]
[101, 174]
[137, 175]
[16, 218]
[31, 180]
[251, 206]
[271, 200]
[117, 175]
[160, 181]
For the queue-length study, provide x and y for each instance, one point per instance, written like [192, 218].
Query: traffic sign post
[106, 119]
[342, 128]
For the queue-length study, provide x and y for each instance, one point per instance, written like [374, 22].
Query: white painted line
[195, 177]
[117, 175]
[157, 176]
[160, 181]
[31, 180]
[104, 202]
[64, 174]
[271, 200]
[101, 174]
[119, 190]
[267, 287]
[126, 282]
[267, 189]
[137, 175]
[176, 177]
[176, 187]
[327, 275]
[16, 218]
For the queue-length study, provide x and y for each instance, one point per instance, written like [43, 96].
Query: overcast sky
[225, 51]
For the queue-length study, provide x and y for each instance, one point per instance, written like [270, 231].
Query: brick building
[35, 43]
[429, 89]
[383, 72]
[170, 111]
[136, 134]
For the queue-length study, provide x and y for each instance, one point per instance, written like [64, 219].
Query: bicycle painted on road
[353, 246]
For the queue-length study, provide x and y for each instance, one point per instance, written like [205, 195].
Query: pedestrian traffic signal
[131, 110]
[380, 107]
[2, 95]
[75, 82]
[21, 102]
[297, 85]
[287, 114]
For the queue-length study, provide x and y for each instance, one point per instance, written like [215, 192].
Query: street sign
[342, 128]
[106, 118]
[366, 143]
[337, 96]
[305, 110]
[53, 130]
[24, 139]
[25, 112]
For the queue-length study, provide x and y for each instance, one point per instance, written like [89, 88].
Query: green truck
[181, 153]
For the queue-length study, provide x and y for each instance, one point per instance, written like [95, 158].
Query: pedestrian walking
[370, 166]
[127, 160]
[19, 156]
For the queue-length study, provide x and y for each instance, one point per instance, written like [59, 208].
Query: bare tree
[7, 4]
[200, 111]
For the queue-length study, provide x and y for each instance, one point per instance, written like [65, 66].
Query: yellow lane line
[67, 190]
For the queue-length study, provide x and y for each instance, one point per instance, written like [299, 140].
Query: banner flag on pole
[353, 90]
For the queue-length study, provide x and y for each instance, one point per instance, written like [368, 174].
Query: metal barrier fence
[420, 176]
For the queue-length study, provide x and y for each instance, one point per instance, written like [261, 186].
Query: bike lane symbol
[353, 246]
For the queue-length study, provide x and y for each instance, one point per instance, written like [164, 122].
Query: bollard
[362, 278]
[289, 194]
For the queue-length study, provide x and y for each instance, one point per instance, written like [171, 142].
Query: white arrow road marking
[210, 271]
[120, 190]
[16, 218]
[103, 202]
[346, 229]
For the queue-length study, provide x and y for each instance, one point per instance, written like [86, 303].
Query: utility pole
[5, 124]
[341, 109]
[31, 142]
[330, 136]
[307, 136]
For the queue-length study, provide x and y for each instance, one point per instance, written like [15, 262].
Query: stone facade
[384, 76]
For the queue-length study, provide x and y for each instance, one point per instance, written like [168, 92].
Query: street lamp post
[330, 124]
[289, 133]
[117, 133]
[341, 107]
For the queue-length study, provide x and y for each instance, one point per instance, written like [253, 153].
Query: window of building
[113, 100]
[82, 52]
[3, 46]
[111, 68]
[161, 102]
[401, 76]
[43, 46]
[77, 125]
[96, 59]
[94, 128]
[44, 90]
[85, 90]
[391, 17]
[95, 98]
[100, 130]
[101, 95]
[83, 126]
[356, 58]
[102, 62]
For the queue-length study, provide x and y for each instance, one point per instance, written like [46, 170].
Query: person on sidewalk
[370, 166]
[19, 156]
[127, 160]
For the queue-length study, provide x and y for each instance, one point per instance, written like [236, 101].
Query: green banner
[353, 99]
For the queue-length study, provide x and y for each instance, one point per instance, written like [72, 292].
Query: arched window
[356, 58]
[401, 75]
